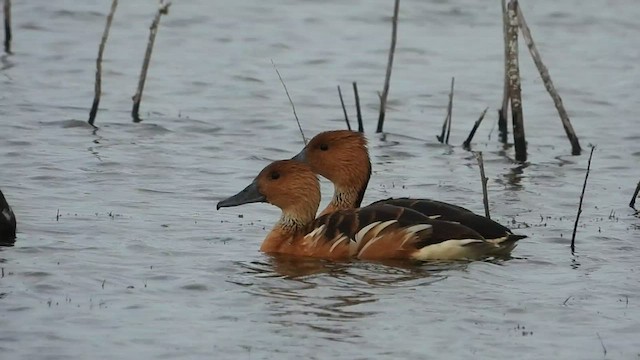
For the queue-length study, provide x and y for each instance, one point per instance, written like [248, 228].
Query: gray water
[121, 253]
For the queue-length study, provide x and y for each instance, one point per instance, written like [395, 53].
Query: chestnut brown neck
[292, 226]
[349, 192]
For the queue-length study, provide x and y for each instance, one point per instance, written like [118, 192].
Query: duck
[7, 223]
[342, 157]
[375, 232]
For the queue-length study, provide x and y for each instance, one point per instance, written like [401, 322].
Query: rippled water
[121, 254]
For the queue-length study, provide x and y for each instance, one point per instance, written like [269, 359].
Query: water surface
[120, 250]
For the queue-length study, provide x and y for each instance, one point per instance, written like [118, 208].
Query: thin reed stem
[584, 186]
[344, 109]
[358, 111]
[98, 84]
[7, 26]
[293, 106]
[483, 179]
[467, 143]
[387, 78]
[548, 83]
[503, 112]
[632, 204]
[163, 9]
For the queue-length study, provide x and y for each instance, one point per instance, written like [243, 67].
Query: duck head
[290, 185]
[342, 157]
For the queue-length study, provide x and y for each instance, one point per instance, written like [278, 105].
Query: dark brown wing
[382, 232]
[488, 228]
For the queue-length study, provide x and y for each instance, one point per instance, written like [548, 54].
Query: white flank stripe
[7, 214]
[366, 246]
[499, 240]
[315, 232]
[336, 242]
[383, 226]
[434, 217]
[365, 230]
[418, 228]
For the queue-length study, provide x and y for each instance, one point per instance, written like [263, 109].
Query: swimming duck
[7, 223]
[342, 157]
[375, 232]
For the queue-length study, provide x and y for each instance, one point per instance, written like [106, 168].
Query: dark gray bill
[301, 157]
[250, 194]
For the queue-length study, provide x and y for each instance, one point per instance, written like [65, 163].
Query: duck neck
[349, 194]
[292, 226]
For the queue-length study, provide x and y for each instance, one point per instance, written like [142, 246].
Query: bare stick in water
[355, 92]
[7, 26]
[632, 204]
[387, 78]
[514, 84]
[584, 186]
[503, 112]
[483, 178]
[604, 348]
[467, 143]
[548, 84]
[344, 109]
[98, 84]
[162, 10]
[304, 139]
[446, 126]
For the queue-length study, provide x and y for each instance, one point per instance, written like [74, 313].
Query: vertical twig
[387, 78]
[355, 93]
[548, 84]
[98, 84]
[503, 112]
[584, 186]
[467, 143]
[162, 10]
[450, 111]
[483, 179]
[632, 204]
[344, 109]
[7, 26]
[446, 126]
[514, 84]
[604, 348]
[304, 139]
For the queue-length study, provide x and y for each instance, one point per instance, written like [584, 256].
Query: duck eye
[275, 175]
[324, 147]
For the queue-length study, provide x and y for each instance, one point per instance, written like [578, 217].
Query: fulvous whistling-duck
[376, 232]
[7, 223]
[342, 157]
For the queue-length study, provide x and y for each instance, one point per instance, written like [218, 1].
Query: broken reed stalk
[632, 204]
[584, 186]
[7, 26]
[387, 78]
[446, 126]
[503, 112]
[467, 143]
[514, 83]
[483, 178]
[98, 84]
[344, 109]
[163, 9]
[355, 93]
[548, 84]
[293, 106]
